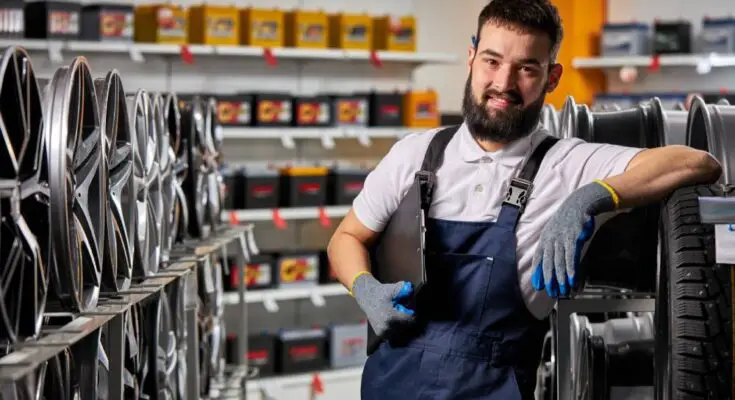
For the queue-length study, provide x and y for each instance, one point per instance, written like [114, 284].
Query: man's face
[509, 76]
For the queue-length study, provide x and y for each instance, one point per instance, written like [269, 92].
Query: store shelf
[315, 133]
[315, 292]
[294, 213]
[138, 50]
[282, 382]
[672, 60]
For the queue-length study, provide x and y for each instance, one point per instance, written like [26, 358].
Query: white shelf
[315, 133]
[278, 383]
[285, 294]
[672, 60]
[140, 49]
[285, 213]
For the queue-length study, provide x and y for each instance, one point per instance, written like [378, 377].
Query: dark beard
[507, 125]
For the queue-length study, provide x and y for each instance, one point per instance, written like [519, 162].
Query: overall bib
[474, 337]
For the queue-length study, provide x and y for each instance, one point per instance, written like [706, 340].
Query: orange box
[351, 31]
[394, 34]
[307, 29]
[260, 27]
[420, 109]
[214, 25]
[161, 23]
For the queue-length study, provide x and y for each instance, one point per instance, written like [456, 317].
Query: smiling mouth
[499, 102]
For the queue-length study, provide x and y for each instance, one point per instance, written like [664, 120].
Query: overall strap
[520, 187]
[433, 159]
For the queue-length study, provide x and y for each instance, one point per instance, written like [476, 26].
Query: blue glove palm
[559, 251]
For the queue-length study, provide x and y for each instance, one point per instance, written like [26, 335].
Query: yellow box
[420, 109]
[215, 25]
[351, 31]
[161, 23]
[259, 27]
[307, 29]
[394, 34]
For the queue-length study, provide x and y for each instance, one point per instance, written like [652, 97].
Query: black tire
[693, 305]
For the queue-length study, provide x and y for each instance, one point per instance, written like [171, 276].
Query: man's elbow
[704, 166]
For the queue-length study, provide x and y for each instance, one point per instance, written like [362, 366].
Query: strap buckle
[518, 193]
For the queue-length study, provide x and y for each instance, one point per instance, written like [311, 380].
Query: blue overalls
[474, 337]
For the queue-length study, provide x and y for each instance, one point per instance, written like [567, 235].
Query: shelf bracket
[327, 141]
[317, 299]
[364, 138]
[287, 142]
[54, 52]
[136, 55]
[270, 304]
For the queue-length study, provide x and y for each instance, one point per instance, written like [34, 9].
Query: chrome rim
[147, 184]
[24, 179]
[196, 182]
[120, 224]
[77, 176]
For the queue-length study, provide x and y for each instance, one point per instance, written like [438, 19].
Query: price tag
[725, 243]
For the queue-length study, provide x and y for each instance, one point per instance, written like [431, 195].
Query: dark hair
[527, 15]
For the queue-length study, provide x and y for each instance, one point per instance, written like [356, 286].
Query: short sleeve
[388, 182]
[586, 162]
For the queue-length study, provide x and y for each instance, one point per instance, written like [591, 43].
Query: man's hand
[559, 250]
[381, 302]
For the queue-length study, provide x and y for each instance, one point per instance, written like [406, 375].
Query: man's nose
[504, 79]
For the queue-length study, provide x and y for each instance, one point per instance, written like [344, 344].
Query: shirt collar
[510, 155]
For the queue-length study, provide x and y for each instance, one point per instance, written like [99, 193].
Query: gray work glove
[562, 239]
[380, 301]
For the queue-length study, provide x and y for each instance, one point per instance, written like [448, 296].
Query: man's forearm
[348, 256]
[653, 174]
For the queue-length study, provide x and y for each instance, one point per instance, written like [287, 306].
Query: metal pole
[116, 341]
[192, 337]
[243, 257]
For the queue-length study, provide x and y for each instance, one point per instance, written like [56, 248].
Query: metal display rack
[25, 359]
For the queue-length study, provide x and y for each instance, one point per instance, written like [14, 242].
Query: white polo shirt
[471, 184]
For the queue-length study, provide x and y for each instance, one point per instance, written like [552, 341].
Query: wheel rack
[185, 259]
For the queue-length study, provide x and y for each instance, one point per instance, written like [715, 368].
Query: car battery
[273, 109]
[303, 186]
[351, 31]
[12, 19]
[326, 273]
[232, 354]
[672, 37]
[108, 23]
[347, 345]
[235, 110]
[386, 109]
[214, 25]
[625, 40]
[307, 29]
[718, 35]
[234, 188]
[344, 183]
[351, 110]
[301, 350]
[262, 353]
[262, 187]
[12, 23]
[260, 273]
[394, 34]
[262, 27]
[420, 109]
[313, 111]
[297, 269]
[53, 20]
[161, 23]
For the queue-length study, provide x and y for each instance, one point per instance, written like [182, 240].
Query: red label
[310, 188]
[261, 191]
[258, 355]
[303, 352]
[390, 110]
[352, 187]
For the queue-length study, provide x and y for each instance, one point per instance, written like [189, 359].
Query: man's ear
[554, 76]
[470, 57]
